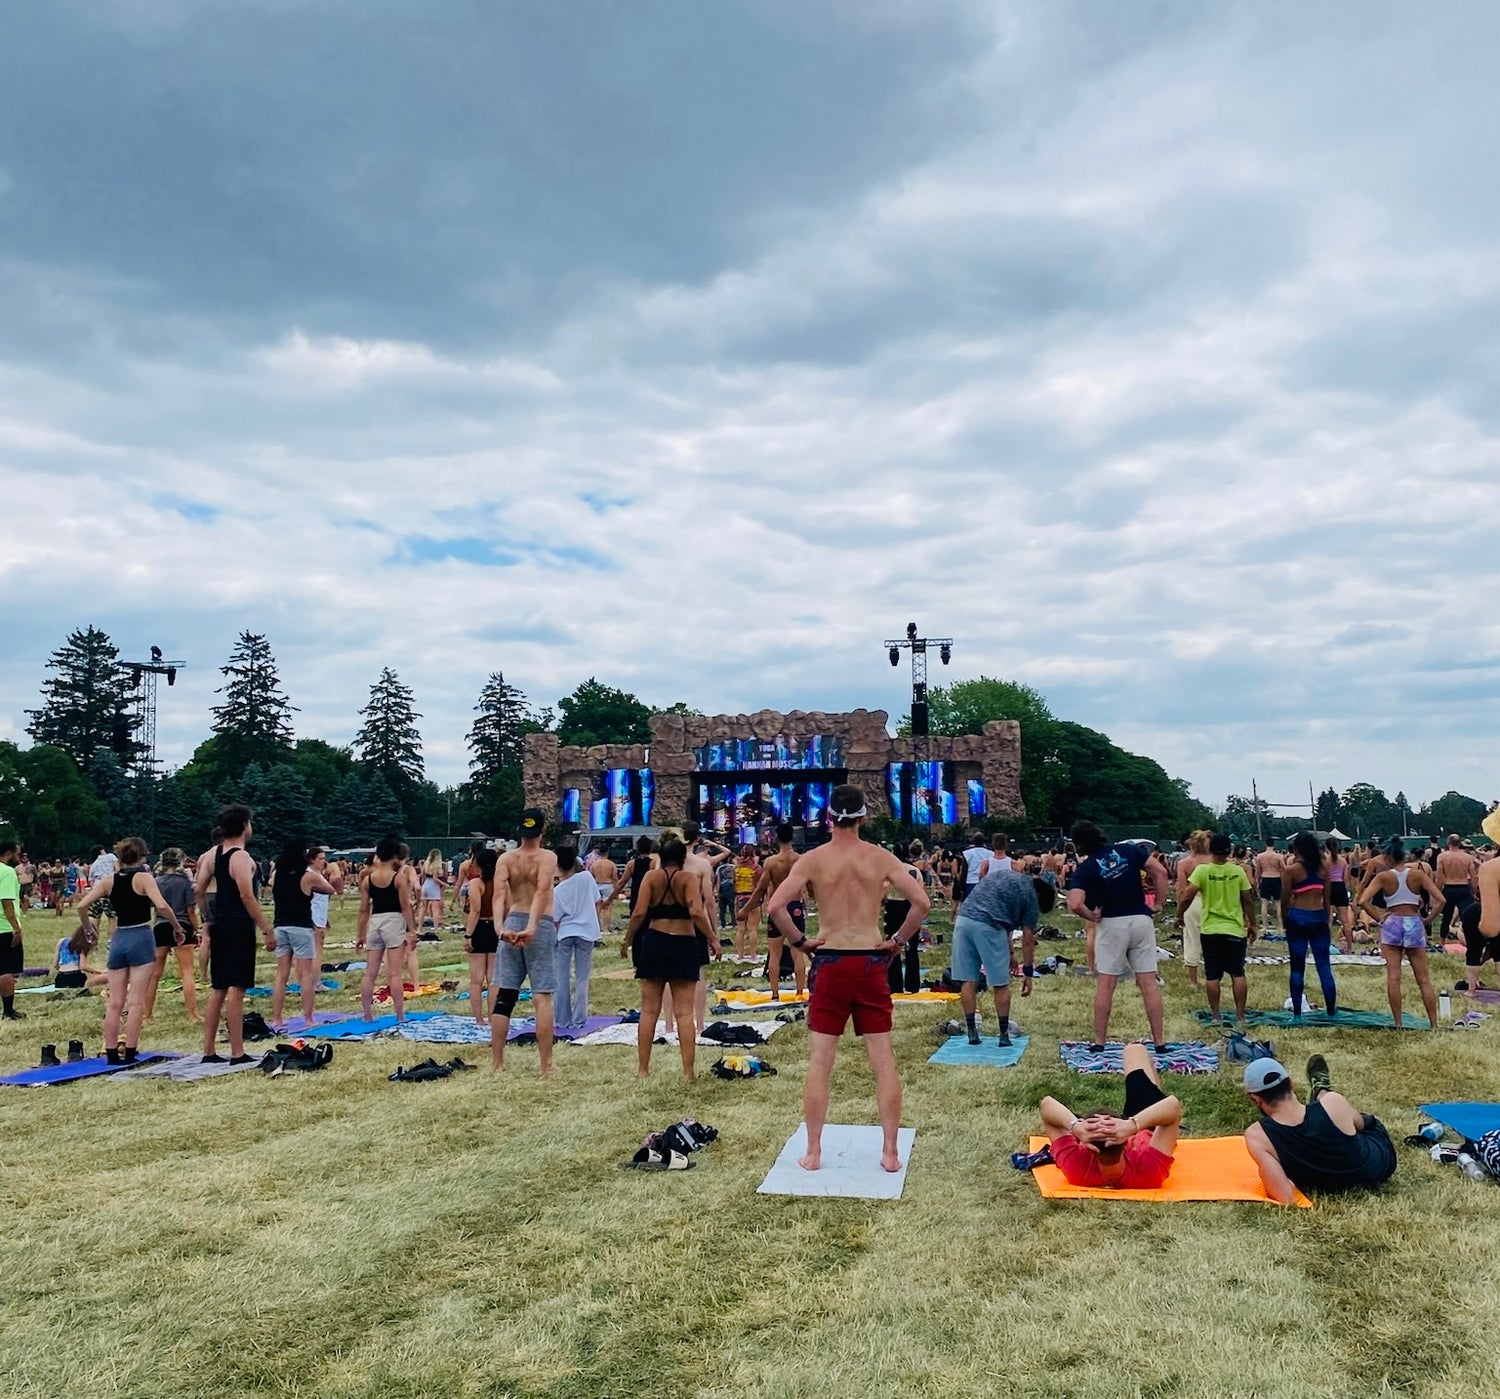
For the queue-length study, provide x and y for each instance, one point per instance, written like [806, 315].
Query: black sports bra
[663, 911]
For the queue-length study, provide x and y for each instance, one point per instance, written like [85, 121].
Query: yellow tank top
[744, 879]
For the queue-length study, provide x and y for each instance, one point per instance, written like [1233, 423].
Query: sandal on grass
[648, 1158]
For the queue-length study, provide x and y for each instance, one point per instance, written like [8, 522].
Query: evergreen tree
[119, 794]
[47, 803]
[497, 741]
[87, 705]
[497, 738]
[1326, 813]
[283, 809]
[388, 741]
[254, 723]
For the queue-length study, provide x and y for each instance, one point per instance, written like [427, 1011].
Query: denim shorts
[976, 942]
[131, 947]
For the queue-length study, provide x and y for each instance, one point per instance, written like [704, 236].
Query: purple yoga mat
[594, 1022]
[296, 1025]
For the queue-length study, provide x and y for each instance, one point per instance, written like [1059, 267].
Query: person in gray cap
[1325, 1146]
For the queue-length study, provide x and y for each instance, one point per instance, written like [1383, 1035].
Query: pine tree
[388, 741]
[86, 706]
[118, 793]
[254, 723]
[497, 739]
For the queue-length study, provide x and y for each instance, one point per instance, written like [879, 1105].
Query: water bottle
[1445, 1006]
[1470, 1167]
[1431, 1131]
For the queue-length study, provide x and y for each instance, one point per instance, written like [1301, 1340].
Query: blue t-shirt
[1005, 900]
[1111, 881]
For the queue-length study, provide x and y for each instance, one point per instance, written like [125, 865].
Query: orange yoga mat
[1204, 1168]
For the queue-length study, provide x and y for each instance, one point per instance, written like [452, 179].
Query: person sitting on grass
[1131, 1150]
[1326, 1146]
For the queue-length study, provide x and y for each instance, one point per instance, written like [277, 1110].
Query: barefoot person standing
[386, 924]
[1403, 929]
[233, 920]
[849, 877]
[528, 942]
[772, 875]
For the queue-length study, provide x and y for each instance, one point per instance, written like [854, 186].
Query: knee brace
[502, 1000]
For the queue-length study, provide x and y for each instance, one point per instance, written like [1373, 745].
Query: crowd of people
[532, 916]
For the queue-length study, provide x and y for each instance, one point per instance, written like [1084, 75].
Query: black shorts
[667, 957]
[797, 912]
[231, 958]
[1476, 946]
[1223, 955]
[484, 938]
[166, 938]
[70, 981]
[1140, 1093]
[1338, 894]
[1270, 888]
[705, 955]
[12, 955]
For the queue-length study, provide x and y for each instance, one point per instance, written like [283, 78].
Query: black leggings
[1458, 897]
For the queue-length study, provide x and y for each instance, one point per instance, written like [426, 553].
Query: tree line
[82, 782]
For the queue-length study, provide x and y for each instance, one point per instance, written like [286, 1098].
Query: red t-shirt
[1146, 1168]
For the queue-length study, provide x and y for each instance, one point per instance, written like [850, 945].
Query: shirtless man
[1269, 868]
[1192, 920]
[772, 875]
[1489, 881]
[849, 877]
[528, 942]
[604, 872]
[1455, 877]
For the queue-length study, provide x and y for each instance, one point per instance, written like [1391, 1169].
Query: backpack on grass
[1241, 1049]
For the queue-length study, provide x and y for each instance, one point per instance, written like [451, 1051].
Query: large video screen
[734, 755]
[618, 797]
[922, 794]
[742, 811]
[978, 803]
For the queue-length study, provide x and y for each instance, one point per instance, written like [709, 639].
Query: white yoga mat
[851, 1165]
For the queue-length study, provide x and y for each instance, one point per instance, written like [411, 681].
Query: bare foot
[643, 1073]
[497, 1068]
[545, 1071]
[889, 1161]
[812, 1161]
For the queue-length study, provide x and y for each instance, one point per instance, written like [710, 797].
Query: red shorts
[842, 984]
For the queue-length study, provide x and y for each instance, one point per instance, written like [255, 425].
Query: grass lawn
[334, 1234]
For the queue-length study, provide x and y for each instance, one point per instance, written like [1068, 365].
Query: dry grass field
[338, 1235]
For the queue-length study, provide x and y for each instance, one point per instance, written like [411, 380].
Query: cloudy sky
[1152, 351]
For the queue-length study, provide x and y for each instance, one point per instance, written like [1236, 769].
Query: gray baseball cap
[1261, 1074]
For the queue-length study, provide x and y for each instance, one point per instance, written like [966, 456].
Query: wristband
[799, 942]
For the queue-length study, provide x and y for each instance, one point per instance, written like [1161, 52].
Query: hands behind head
[1103, 1128]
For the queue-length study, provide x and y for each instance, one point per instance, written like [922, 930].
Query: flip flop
[649, 1159]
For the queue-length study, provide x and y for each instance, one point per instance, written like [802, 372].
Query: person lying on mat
[1326, 1146]
[1131, 1150]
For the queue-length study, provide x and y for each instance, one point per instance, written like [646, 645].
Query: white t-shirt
[974, 857]
[575, 906]
[103, 868]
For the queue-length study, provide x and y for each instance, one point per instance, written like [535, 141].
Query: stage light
[171, 676]
[911, 631]
[895, 655]
[156, 655]
[945, 654]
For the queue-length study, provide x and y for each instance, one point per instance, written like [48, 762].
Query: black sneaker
[13, 1015]
[1003, 1039]
[1318, 1079]
[49, 1057]
[213, 1059]
[974, 1036]
[75, 1051]
[112, 1056]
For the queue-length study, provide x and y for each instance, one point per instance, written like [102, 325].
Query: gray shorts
[131, 947]
[1124, 945]
[295, 942]
[977, 943]
[537, 960]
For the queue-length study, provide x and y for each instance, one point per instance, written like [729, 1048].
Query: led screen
[922, 794]
[733, 755]
[978, 803]
[620, 797]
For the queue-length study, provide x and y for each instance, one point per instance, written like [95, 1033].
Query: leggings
[1307, 927]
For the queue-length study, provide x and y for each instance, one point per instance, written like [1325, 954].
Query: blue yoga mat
[83, 1068]
[293, 990]
[956, 1049]
[1471, 1120]
[359, 1029]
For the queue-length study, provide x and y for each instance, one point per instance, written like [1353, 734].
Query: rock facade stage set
[737, 774]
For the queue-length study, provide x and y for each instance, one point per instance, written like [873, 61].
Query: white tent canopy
[1336, 834]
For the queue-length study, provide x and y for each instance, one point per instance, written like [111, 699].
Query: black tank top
[293, 907]
[229, 907]
[669, 908]
[387, 898]
[640, 867]
[1317, 1156]
[131, 909]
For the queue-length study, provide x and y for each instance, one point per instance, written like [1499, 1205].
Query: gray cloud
[700, 347]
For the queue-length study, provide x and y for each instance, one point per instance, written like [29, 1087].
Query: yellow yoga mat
[1203, 1168]
[750, 1000]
